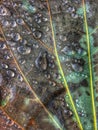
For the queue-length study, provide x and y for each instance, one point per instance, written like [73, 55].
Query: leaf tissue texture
[48, 65]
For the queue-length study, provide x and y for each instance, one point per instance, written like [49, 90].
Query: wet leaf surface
[48, 74]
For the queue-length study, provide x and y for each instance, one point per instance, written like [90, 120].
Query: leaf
[48, 65]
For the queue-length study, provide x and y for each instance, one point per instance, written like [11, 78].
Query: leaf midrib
[90, 65]
[61, 70]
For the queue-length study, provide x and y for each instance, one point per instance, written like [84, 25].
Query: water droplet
[45, 19]
[16, 36]
[20, 21]
[2, 45]
[52, 83]
[5, 23]
[13, 24]
[46, 28]
[20, 77]
[38, 20]
[24, 42]
[12, 93]
[1, 79]
[29, 8]
[11, 43]
[35, 45]
[51, 65]
[76, 67]
[63, 38]
[11, 73]
[37, 34]
[47, 76]
[4, 11]
[74, 15]
[81, 51]
[65, 2]
[22, 61]
[71, 9]
[41, 61]
[32, 9]
[5, 66]
[24, 50]
[7, 56]
[67, 50]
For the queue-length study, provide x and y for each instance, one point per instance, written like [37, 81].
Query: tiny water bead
[5, 23]
[20, 77]
[63, 38]
[7, 56]
[71, 9]
[24, 42]
[1, 79]
[37, 34]
[45, 19]
[22, 61]
[2, 45]
[20, 21]
[11, 43]
[28, 7]
[41, 61]
[76, 67]
[81, 52]
[16, 36]
[24, 50]
[13, 24]
[68, 50]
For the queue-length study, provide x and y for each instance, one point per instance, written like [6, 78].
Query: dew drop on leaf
[38, 34]
[24, 50]
[16, 36]
[11, 73]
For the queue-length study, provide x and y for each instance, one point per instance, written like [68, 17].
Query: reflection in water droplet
[24, 50]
